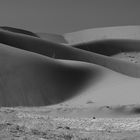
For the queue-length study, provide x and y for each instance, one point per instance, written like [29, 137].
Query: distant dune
[106, 33]
[20, 31]
[53, 37]
[39, 69]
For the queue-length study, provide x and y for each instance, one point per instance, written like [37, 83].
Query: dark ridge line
[17, 30]
[110, 47]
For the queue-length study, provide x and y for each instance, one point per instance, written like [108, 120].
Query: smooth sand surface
[53, 37]
[105, 33]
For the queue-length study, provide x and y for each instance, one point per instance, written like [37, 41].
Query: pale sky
[61, 16]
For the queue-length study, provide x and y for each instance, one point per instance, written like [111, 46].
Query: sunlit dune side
[105, 33]
[111, 88]
[53, 37]
[29, 79]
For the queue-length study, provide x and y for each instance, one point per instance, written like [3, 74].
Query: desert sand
[53, 37]
[80, 85]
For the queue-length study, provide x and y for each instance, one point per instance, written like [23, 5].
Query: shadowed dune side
[111, 47]
[17, 30]
[60, 51]
[29, 79]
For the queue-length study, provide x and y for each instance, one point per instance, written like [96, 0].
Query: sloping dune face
[29, 79]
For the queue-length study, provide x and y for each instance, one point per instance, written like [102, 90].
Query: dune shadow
[72, 80]
[111, 47]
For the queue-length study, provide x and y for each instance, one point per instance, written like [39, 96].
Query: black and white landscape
[78, 80]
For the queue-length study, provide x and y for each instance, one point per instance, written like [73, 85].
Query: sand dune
[60, 51]
[43, 69]
[111, 88]
[97, 34]
[17, 30]
[30, 79]
[53, 37]
[80, 85]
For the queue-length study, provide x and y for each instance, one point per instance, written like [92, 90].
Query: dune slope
[30, 79]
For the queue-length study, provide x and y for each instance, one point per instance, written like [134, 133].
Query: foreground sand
[83, 85]
[38, 124]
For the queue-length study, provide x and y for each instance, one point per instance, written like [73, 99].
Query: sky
[62, 16]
